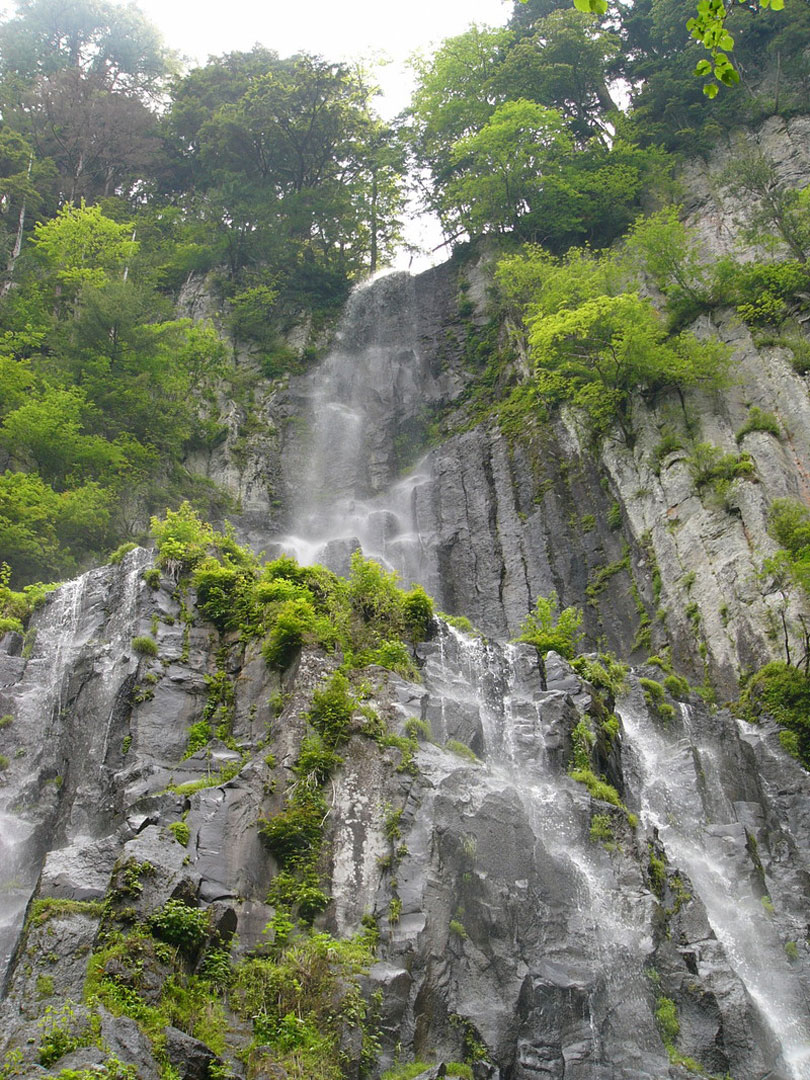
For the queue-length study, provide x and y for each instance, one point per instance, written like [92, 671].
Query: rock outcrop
[525, 919]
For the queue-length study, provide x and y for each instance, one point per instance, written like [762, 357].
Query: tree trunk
[18, 239]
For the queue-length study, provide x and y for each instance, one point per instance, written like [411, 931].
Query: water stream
[674, 769]
[359, 403]
[352, 496]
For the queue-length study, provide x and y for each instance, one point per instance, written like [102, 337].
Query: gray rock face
[563, 895]
[523, 920]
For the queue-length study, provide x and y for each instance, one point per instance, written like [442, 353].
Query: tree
[454, 97]
[81, 247]
[499, 170]
[595, 343]
[76, 79]
[549, 629]
[112, 44]
[563, 64]
[288, 164]
[708, 26]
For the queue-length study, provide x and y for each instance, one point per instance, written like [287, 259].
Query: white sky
[334, 29]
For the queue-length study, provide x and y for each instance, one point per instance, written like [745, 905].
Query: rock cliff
[563, 871]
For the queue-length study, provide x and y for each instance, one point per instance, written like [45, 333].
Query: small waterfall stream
[486, 695]
[360, 401]
[675, 769]
[39, 687]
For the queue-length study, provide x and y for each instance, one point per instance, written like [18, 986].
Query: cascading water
[360, 401]
[489, 697]
[678, 773]
[35, 691]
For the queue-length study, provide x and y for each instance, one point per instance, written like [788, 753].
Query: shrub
[783, 692]
[145, 646]
[316, 761]
[332, 709]
[221, 592]
[677, 686]
[181, 832]
[547, 630]
[602, 829]
[394, 656]
[295, 830]
[293, 623]
[708, 465]
[417, 728]
[666, 1016]
[758, 420]
[178, 924]
[460, 749]
[302, 999]
[199, 735]
[182, 538]
[117, 556]
[598, 789]
[417, 608]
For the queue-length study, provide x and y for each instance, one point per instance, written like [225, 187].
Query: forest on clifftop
[274, 181]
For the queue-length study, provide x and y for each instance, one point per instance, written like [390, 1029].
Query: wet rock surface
[509, 928]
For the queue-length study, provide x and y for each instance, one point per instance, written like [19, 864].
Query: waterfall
[683, 794]
[599, 943]
[37, 691]
[360, 403]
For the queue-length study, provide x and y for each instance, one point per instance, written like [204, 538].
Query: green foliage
[582, 740]
[299, 1000]
[598, 789]
[405, 1072]
[678, 687]
[182, 539]
[117, 556]
[181, 832]
[601, 830]
[789, 525]
[547, 630]
[666, 1016]
[460, 749]
[62, 1032]
[178, 924]
[457, 928]
[52, 907]
[782, 692]
[710, 467]
[417, 728]
[605, 673]
[595, 342]
[758, 420]
[145, 646]
[84, 247]
[332, 708]
[296, 830]
[764, 293]
[199, 735]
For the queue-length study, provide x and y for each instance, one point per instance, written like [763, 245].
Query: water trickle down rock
[515, 934]
[517, 931]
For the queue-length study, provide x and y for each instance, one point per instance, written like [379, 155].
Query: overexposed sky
[334, 29]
